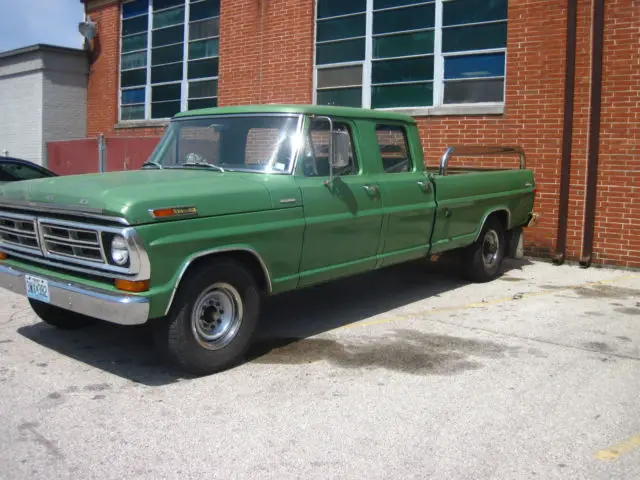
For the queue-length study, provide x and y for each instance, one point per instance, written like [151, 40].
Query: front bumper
[122, 309]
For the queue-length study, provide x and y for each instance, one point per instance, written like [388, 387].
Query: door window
[394, 149]
[316, 155]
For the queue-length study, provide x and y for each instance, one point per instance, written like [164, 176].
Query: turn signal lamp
[173, 212]
[135, 286]
[3, 256]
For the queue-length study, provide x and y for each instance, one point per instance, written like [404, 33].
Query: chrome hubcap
[216, 316]
[490, 248]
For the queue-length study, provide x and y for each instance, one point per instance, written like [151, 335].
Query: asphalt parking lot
[404, 373]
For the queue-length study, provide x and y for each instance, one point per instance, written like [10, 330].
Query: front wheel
[482, 260]
[212, 320]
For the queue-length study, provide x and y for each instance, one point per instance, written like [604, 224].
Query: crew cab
[238, 203]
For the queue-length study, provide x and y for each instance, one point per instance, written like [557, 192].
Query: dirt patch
[597, 291]
[405, 351]
[606, 291]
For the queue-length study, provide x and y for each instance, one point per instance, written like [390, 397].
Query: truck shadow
[128, 352]
[292, 318]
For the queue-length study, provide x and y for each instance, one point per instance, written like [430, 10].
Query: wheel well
[244, 257]
[502, 216]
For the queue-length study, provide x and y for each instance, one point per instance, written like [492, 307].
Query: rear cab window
[394, 149]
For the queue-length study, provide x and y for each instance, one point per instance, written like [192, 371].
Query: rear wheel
[482, 261]
[213, 317]
[59, 317]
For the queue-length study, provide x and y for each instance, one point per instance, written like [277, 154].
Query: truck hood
[131, 194]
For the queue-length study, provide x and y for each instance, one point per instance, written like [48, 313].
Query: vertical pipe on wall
[261, 40]
[567, 132]
[594, 133]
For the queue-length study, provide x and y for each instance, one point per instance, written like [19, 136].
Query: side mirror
[341, 150]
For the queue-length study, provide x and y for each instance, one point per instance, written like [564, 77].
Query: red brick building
[559, 77]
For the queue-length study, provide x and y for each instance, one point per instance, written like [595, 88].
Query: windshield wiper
[152, 164]
[203, 164]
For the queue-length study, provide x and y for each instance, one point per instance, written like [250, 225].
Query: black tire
[218, 293]
[59, 317]
[482, 261]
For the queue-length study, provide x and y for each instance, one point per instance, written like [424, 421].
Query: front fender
[272, 237]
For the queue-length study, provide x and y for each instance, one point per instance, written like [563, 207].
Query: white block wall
[21, 114]
[64, 113]
[43, 97]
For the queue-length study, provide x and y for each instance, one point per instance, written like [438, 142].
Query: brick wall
[102, 102]
[266, 51]
[618, 200]
[266, 56]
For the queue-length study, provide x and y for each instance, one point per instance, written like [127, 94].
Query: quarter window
[169, 57]
[394, 152]
[410, 53]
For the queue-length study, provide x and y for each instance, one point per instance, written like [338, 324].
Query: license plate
[37, 288]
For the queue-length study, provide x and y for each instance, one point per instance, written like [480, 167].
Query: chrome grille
[62, 240]
[71, 245]
[19, 232]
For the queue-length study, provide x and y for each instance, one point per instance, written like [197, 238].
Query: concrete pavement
[398, 374]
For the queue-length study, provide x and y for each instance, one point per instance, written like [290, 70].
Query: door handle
[425, 185]
[372, 190]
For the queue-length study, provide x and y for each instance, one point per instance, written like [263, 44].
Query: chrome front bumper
[122, 309]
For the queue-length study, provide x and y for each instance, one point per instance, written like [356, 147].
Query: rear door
[343, 217]
[407, 194]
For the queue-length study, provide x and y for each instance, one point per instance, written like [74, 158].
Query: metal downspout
[567, 132]
[594, 133]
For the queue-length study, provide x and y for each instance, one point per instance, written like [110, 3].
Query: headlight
[119, 250]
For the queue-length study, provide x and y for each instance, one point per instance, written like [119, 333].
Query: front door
[343, 215]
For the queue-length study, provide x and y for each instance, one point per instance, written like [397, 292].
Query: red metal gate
[100, 154]
[71, 157]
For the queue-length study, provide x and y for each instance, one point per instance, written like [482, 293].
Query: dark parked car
[15, 169]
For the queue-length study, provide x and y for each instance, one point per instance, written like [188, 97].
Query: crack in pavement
[536, 339]
[483, 303]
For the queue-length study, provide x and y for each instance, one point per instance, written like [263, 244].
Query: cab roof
[348, 112]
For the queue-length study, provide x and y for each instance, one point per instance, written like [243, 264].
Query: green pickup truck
[238, 203]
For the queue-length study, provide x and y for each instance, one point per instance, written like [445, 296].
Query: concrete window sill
[141, 124]
[488, 109]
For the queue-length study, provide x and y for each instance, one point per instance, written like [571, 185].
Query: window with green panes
[410, 53]
[169, 57]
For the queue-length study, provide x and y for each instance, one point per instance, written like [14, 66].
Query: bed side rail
[475, 150]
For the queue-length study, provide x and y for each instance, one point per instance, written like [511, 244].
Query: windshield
[265, 144]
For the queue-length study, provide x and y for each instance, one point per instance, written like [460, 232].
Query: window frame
[184, 82]
[438, 106]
